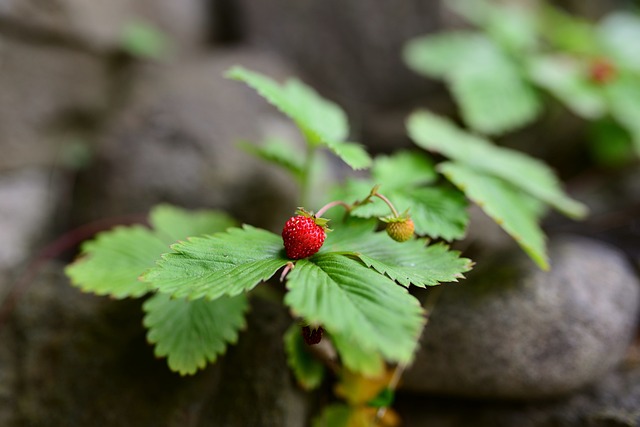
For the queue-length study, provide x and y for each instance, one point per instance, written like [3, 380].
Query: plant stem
[429, 305]
[387, 201]
[306, 181]
[332, 205]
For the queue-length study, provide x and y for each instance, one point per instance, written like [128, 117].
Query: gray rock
[50, 95]
[71, 359]
[30, 198]
[101, 25]
[513, 331]
[612, 402]
[176, 140]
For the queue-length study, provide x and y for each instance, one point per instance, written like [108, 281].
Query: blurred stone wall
[89, 131]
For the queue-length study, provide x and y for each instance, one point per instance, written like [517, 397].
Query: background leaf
[192, 333]
[566, 79]
[336, 415]
[320, 121]
[623, 95]
[618, 34]
[513, 25]
[113, 261]
[509, 206]
[349, 299]
[526, 173]
[492, 95]
[278, 152]
[356, 358]
[308, 370]
[226, 263]
[439, 54]
[567, 32]
[404, 169]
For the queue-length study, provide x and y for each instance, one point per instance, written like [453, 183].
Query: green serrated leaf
[356, 358]
[509, 206]
[566, 79]
[226, 263]
[112, 263]
[279, 153]
[321, 121]
[349, 299]
[437, 212]
[308, 370]
[411, 262]
[192, 333]
[351, 153]
[417, 264]
[403, 169]
[173, 223]
[438, 134]
[318, 118]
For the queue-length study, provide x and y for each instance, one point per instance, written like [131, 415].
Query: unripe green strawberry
[400, 229]
[303, 235]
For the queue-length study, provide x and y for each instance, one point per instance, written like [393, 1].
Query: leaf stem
[306, 181]
[333, 204]
[429, 305]
[374, 192]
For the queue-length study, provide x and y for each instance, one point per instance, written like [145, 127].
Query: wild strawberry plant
[345, 268]
[500, 73]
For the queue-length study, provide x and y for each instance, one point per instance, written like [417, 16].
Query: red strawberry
[601, 71]
[303, 235]
[400, 229]
[312, 336]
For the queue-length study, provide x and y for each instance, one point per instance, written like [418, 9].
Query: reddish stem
[65, 242]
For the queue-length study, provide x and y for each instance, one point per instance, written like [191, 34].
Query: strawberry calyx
[399, 227]
[321, 222]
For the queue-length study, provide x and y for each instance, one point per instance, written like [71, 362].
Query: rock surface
[353, 56]
[29, 201]
[176, 140]
[512, 331]
[71, 359]
[613, 402]
[101, 25]
[47, 91]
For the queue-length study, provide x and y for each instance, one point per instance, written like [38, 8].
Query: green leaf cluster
[189, 334]
[335, 288]
[496, 72]
[321, 122]
[509, 186]
[486, 83]
[407, 179]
